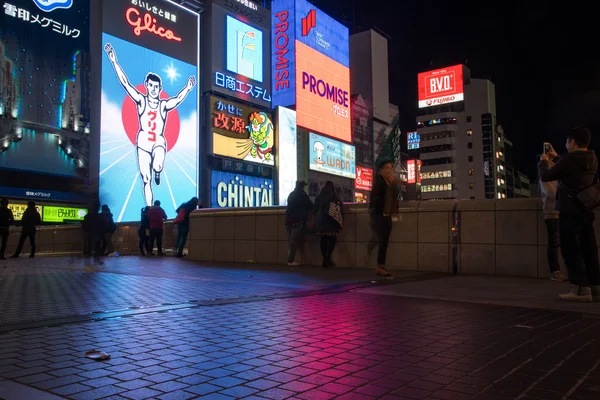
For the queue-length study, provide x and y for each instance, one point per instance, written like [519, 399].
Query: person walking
[328, 210]
[183, 223]
[551, 216]
[144, 233]
[6, 220]
[29, 222]
[297, 212]
[156, 217]
[575, 171]
[382, 205]
[111, 227]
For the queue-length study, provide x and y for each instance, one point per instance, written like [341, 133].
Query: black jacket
[6, 217]
[378, 193]
[189, 207]
[574, 172]
[31, 219]
[325, 223]
[298, 206]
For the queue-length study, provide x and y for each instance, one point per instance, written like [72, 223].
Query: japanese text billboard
[331, 156]
[441, 86]
[149, 123]
[364, 179]
[44, 94]
[414, 140]
[63, 214]
[411, 171]
[311, 67]
[241, 132]
[288, 152]
[241, 51]
[236, 190]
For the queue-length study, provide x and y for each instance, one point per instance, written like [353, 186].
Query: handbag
[335, 212]
[587, 199]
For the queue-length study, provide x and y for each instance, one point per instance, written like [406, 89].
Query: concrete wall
[502, 237]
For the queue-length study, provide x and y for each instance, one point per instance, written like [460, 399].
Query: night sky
[543, 60]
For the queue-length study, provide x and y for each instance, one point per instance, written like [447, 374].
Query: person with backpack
[329, 213]
[29, 222]
[183, 224]
[6, 220]
[110, 228]
[156, 217]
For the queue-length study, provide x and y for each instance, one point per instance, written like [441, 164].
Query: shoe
[558, 277]
[2, 258]
[595, 293]
[293, 264]
[161, 254]
[14, 256]
[381, 271]
[577, 293]
[32, 256]
[157, 178]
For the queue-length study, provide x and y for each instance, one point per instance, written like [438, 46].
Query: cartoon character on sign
[261, 133]
[152, 112]
[319, 148]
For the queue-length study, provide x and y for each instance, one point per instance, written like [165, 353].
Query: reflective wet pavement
[346, 344]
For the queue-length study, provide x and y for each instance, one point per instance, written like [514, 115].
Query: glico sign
[311, 67]
[441, 86]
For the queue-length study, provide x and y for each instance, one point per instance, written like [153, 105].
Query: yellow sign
[62, 214]
[19, 209]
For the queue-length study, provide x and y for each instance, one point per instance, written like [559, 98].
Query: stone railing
[502, 237]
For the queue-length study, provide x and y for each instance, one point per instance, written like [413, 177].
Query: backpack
[180, 216]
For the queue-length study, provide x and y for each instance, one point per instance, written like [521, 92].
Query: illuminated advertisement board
[414, 140]
[236, 190]
[311, 67]
[331, 156]
[411, 170]
[241, 51]
[288, 151]
[44, 94]
[419, 163]
[364, 179]
[62, 214]
[241, 132]
[441, 86]
[19, 209]
[149, 123]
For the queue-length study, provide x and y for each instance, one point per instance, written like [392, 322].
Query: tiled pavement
[347, 345]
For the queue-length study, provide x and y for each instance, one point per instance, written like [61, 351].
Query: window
[471, 186]
[468, 118]
[471, 172]
[470, 158]
[470, 145]
[469, 132]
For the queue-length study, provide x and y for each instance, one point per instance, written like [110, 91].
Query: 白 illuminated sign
[411, 170]
[311, 67]
[441, 86]
[149, 118]
[242, 132]
[414, 140]
[241, 52]
[331, 156]
[236, 190]
[287, 148]
[62, 214]
[364, 178]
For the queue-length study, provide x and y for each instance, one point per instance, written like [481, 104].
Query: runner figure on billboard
[152, 113]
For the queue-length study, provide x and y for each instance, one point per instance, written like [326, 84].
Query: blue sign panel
[332, 157]
[49, 195]
[299, 20]
[236, 190]
[414, 140]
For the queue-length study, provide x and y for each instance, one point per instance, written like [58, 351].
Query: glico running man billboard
[310, 57]
[149, 122]
[44, 99]
[241, 51]
[441, 86]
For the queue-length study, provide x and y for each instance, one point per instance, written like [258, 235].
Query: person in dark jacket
[297, 212]
[111, 227]
[183, 226]
[29, 222]
[575, 171]
[329, 223]
[88, 231]
[144, 233]
[6, 220]
[157, 217]
[381, 207]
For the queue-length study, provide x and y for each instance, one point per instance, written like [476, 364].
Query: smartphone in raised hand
[547, 148]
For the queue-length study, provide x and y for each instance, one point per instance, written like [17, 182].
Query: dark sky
[543, 60]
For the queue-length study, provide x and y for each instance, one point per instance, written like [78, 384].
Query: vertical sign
[288, 152]
[411, 171]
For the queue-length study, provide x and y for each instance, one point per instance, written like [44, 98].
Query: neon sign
[149, 24]
[157, 11]
[235, 85]
[233, 190]
[282, 42]
[51, 5]
[324, 89]
[24, 15]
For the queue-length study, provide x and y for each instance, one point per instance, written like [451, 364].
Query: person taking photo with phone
[575, 172]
